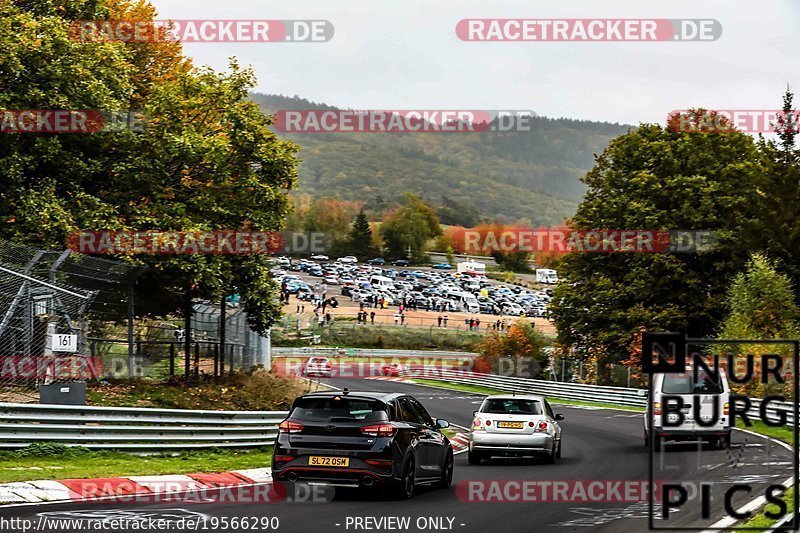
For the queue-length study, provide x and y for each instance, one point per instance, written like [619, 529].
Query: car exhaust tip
[291, 476]
[367, 481]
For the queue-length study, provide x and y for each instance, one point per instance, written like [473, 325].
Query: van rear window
[684, 383]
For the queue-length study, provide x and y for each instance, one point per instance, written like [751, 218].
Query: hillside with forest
[533, 176]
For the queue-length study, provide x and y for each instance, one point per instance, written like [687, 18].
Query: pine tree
[360, 238]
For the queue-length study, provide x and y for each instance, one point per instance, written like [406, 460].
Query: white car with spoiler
[515, 425]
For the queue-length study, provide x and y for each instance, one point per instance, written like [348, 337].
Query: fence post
[187, 336]
[131, 356]
[223, 315]
[197, 362]
[216, 363]
[138, 356]
[171, 359]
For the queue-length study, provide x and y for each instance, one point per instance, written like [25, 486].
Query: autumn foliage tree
[518, 351]
[205, 160]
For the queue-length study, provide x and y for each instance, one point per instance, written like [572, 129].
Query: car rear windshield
[511, 406]
[685, 383]
[339, 409]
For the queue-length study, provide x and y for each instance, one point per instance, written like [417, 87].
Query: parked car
[400, 262]
[320, 257]
[514, 425]
[377, 261]
[513, 309]
[443, 266]
[363, 439]
[348, 259]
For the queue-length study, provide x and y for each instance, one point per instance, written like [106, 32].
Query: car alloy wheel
[447, 474]
[408, 482]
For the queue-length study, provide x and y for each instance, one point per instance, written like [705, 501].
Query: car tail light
[542, 426]
[378, 430]
[290, 427]
[657, 408]
[727, 409]
[488, 422]
[283, 458]
[530, 424]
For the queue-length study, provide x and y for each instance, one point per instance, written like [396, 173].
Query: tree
[519, 352]
[761, 303]
[762, 306]
[776, 226]
[360, 238]
[206, 159]
[411, 226]
[654, 178]
[331, 217]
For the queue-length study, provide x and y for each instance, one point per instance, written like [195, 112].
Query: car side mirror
[441, 423]
[642, 393]
[559, 417]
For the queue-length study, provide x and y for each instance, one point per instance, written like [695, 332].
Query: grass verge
[56, 461]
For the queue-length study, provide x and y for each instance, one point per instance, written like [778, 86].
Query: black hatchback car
[361, 439]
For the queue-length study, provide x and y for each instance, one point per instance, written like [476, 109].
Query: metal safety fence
[577, 391]
[135, 429]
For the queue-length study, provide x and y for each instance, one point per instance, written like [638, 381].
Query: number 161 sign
[65, 343]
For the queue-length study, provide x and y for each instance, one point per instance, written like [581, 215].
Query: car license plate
[328, 461]
[510, 425]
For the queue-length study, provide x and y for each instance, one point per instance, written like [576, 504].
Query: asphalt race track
[599, 444]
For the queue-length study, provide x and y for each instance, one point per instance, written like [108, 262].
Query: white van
[702, 398]
[465, 300]
[546, 275]
[381, 282]
[472, 267]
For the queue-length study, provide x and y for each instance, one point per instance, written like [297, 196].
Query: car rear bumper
[694, 434]
[501, 443]
[357, 474]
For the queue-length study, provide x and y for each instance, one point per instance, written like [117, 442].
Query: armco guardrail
[578, 391]
[568, 391]
[369, 352]
[135, 429]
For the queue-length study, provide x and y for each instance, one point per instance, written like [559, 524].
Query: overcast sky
[404, 54]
